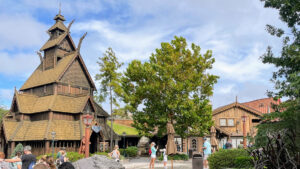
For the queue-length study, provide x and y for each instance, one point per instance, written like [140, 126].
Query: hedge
[129, 152]
[176, 157]
[230, 158]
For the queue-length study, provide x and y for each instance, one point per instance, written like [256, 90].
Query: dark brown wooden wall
[49, 58]
[39, 116]
[75, 76]
[65, 116]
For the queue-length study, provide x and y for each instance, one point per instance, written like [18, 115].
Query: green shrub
[243, 162]
[74, 156]
[175, 157]
[131, 151]
[122, 151]
[49, 154]
[230, 158]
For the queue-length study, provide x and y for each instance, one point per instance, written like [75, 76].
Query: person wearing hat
[206, 152]
[153, 155]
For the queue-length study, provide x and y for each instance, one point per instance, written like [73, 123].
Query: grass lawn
[119, 129]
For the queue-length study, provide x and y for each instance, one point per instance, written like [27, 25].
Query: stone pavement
[143, 163]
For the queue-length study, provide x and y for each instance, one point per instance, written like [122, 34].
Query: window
[230, 122]
[222, 122]
[194, 144]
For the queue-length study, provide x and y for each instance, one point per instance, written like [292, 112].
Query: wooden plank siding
[236, 114]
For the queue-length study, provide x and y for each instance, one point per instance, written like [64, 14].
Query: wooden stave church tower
[54, 98]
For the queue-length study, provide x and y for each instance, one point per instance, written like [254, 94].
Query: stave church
[54, 99]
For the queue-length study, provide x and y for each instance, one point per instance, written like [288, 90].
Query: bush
[74, 156]
[176, 157]
[131, 151]
[243, 162]
[230, 158]
[49, 154]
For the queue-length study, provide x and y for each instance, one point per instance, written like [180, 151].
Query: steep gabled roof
[58, 25]
[238, 105]
[54, 42]
[40, 77]
[85, 70]
[100, 111]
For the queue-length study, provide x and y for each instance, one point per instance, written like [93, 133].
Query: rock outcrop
[97, 162]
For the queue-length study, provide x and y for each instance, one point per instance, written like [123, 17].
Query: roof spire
[59, 12]
[59, 17]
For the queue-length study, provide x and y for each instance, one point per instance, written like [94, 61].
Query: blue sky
[233, 29]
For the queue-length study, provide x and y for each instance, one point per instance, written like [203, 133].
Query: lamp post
[87, 120]
[53, 136]
[124, 135]
[244, 131]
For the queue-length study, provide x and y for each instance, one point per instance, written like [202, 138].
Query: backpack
[31, 165]
[150, 152]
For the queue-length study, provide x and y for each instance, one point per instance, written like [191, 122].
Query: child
[165, 158]
[115, 154]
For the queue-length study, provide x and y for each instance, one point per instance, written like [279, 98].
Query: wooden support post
[12, 145]
[47, 147]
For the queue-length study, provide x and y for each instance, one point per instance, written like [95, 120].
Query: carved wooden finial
[40, 55]
[80, 41]
[70, 24]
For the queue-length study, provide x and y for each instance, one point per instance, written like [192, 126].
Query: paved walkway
[143, 163]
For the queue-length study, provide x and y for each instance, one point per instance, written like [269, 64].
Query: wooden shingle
[40, 77]
[29, 104]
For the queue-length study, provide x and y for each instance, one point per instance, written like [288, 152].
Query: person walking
[153, 155]
[206, 152]
[16, 165]
[115, 154]
[28, 159]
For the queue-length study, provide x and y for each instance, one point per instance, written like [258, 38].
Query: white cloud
[21, 31]
[19, 65]
[137, 44]
[248, 68]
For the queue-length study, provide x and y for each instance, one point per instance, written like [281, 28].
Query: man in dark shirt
[27, 159]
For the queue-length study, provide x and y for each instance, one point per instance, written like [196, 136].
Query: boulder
[97, 162]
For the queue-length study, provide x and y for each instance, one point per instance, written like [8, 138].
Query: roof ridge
[52, 102]
[47, 129]
[237, 104]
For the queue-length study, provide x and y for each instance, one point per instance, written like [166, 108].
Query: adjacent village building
[54, 99]
[229, 124]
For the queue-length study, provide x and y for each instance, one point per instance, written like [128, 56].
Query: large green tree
[286, 77]
[174, 85]
[109, 78]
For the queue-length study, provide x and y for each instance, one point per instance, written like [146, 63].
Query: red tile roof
[262, 105]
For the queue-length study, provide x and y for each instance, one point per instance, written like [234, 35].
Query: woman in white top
[115, 154]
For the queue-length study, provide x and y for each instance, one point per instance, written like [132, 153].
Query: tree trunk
[111, 121]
